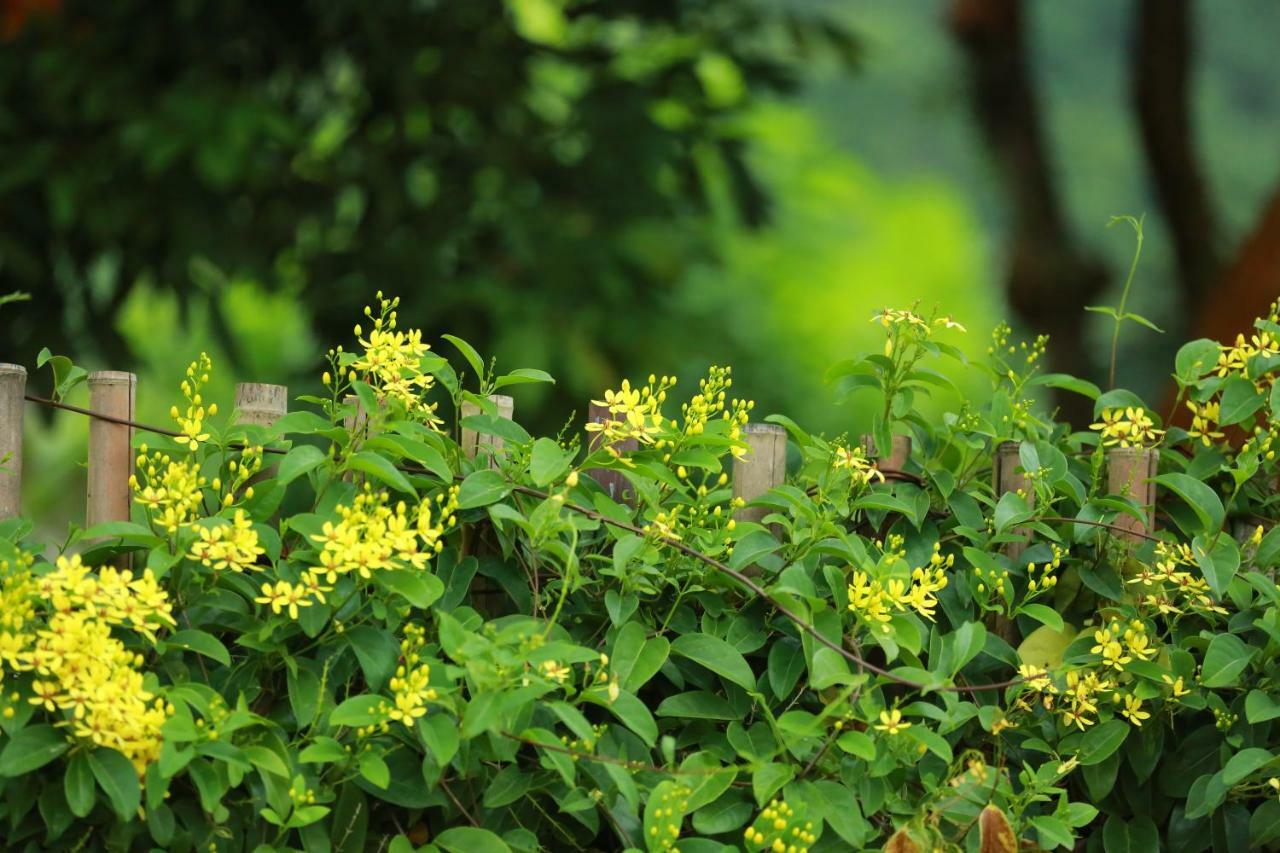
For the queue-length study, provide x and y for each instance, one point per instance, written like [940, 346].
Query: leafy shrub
[396, 620]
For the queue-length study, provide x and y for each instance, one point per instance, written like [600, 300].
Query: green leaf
[373, 768]
[1045, 646]
[786, 664]
[509, 785]
[201, 643]
[768, 778]
[1142, 321]
[298, 461]
[1136, 836]
[1045, 615]
[416, 586]
[697, 704]
[358, 711]
[376, 466]
[548, 462]
[523, 375]
[1101, 741]
[1202, 500]
[1195, 359]
[118, 780]
[1240, 399]
[470, 839]
[304, 695]
[1244, 764]
[77, 785]
[482, 488]
[751, 548]
[1226, 657]
[1220, 566]
[664, 813]
[1260, 707]
[377, 650]
[716, 655]
[857, 743]
[30, 749]
[469, 353]
[635, 658]
[968, 639]
[1083, 387]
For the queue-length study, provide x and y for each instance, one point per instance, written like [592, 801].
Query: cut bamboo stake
[1131, 472]
[762, 468]
[110, 446]
[1005, 477]
[13, 384]
[472, 441]
[260, 404]
[486, 595]
[898, 456]
[615, 483]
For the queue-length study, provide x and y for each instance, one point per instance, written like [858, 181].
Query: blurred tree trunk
[1049, 277]
[1249, 284]
[1161, 98]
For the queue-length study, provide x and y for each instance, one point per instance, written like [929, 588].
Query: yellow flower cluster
[889, 317]
[1170, 590]
[17, 607]
[854, 460]
[1048, 580]
[1120, 644]
[410, 685]
[80, 669]
[1204, 417]
[710, 401]
[779, 829]
[1235, 358]
[874, 602]
[1127, 427]
[191, 424]
[369, 537]
[372, 536]
[635, 413]
[169, 489]
[232, 545]
[392, 361]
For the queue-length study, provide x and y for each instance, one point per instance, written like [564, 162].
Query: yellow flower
[555, 671]
[284, 596]
[1203, 418]
[228, 546]
[855, 461]
[891, 722]
[392, 363]
[1132, 710]
[1127, 427]
[1179, 690]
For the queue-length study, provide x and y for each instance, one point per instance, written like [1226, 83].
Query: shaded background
[609, 189]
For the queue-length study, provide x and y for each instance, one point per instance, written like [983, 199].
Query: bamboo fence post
[898, 455]
[763, 467]
[472, 441]
[260, 404]
[1131, 472]
[486, 595]
[13, 385]
[1005, 477]
[615, 483]
[110, 446]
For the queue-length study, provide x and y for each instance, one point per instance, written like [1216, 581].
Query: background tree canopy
[605, 188]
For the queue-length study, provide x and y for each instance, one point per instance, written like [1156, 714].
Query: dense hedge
[366, 638]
